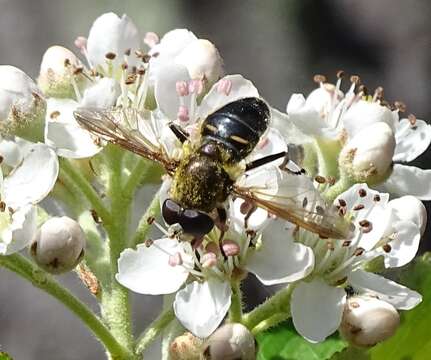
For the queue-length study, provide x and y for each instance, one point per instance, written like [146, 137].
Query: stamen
[196, 87]
[320, 179]
[362, 192]
[224, 87]
[54, 115]
[355, 79]
[183, 114]
[2, 206]
[376, 198]
[378, 94]
[387, 248]
[366, 226]
[110, 55]
[182, 88]
[151, 39]
[359, 207]
[412, 120]
[400, 106]
[128, 52]
[230, 248]
[148, 242]
[81, 43]
[175, 260]
[208, 259]
[342, 202]
[319, 79]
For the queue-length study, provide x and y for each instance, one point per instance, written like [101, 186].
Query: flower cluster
[339, 158]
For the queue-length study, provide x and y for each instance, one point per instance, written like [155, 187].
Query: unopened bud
[368, 321]
[230, 342]
[410, 208]
[56, 71]
[185, 347]
[202, 60]
[367, 157]
[58, 245]
[21, 104]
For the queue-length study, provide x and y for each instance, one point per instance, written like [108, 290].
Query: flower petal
[214, 100]
[317, 309]
[165, 89]
[399, 296]
[256, 221]
[20, 232]
[33, 179]
[410, 208]
[112, 34]
[63, 133]
[411, 140]
[409, 180]
[10, 152]
[146, 270]
[201, 307]
[103, 94]
[280, 259]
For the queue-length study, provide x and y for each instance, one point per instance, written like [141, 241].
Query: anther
[412, 120]
[400, 106]
[110, 55]
[376, 198]
[342, 202]
[81, 43]
[378, 93]
[246, 207]
[359, 251]
[66, 62]
[151, 39]
[387, 248]
[1, 159]
[363, 89]
[319, 179]
[355, 79]
[196, 87]
[128, 52]
[347, 243]
[224, 87]
[320, 210]
[182, 88]
[319, 78]
[331, 180]
[95, 217]
[230, 248]
[2, 206]
[54, 115]
[340, 74]
[358, 207]
[146, 58]
[183, 113]
[150, 220]
[362, 192]
[78, 70]
[175, 260]
[148, 242]
[304, 202]
[141, 71]
[124, 66]
[366, 226]
[342, 211]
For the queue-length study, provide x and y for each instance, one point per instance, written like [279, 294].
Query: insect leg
[179, 132]
[285, 166]
[265, 160]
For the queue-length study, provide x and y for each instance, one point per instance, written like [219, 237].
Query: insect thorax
[200, 182]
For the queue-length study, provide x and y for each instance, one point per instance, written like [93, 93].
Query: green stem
[279, 303]
[29, 271]
[235, 311]
[270, 322]
[87, 190]
[339, 187]
[144, 225]
[135, 177]
[154, 330]
[327, 156]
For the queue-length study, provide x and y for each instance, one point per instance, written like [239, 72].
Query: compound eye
[196, 222]
[171, 212]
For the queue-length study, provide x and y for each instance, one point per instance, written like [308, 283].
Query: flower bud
[410, 208]
[58, 245]
[56, 72]
[364, 113]
[367, 321]
[367, 157]
[230, 342]
[202, 59]
[185, 347]
[21, 104]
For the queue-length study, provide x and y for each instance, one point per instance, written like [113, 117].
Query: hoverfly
[207, 173]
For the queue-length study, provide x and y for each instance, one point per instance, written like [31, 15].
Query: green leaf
[412, 340]
[283, 343]
[4, 356]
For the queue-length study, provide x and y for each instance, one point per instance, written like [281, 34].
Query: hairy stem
[274, 320]
[279, 303]
[154, 330]
[29, 271]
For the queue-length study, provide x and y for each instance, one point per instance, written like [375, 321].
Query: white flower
[64, 134]
[58, 245]
[110, 38]
[21, 101]
[180, 46]
[318, 303]
[29, 181]
[56, 74]
[367, 156]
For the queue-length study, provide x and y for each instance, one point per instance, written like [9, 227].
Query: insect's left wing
[293, 198]
[133, 130]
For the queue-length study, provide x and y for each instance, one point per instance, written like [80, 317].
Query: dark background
[279, 45]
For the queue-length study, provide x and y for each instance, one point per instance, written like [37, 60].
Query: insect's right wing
[294, 198]
[133, 130]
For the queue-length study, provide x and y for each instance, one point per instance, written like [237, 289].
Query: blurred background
[278, 44]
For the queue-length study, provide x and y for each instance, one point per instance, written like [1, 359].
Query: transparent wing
[293, 198]
[133, 130]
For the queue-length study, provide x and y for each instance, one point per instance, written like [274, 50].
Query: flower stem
[155, 329]
[279, 303]
[29, 271]
[339, 187]
[270, 322]
[235, 311]
[144, 226]
[327, 156]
